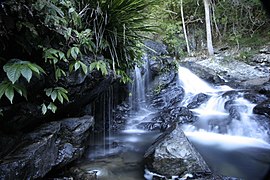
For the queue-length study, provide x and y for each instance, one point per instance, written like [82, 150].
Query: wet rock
[198, 100]
[34, 156]
[265, 89]
[255, 97]
[78, 173]
[262, 108]
[168, 95]
[173, 155]
[52, 145]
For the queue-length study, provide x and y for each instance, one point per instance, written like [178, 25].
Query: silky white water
[232, 143]
[120, 155]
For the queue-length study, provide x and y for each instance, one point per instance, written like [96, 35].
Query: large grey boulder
[173, 155]
[52, 145]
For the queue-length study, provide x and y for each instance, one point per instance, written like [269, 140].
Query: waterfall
[137, 100]
[227, 133]
[141, 77]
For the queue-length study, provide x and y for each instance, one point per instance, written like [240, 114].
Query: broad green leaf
[68, 53]
[9, 92]
[92, 66]
[77, 65]
[61, 55]
[71, 66]
[52, 107]
[19, 90]
[84, 67]
[13, 72]
[74, 52]
[43, 108]
[48, 92]
[26, 73]
[3, 86]
[34, 68]
[54, 95]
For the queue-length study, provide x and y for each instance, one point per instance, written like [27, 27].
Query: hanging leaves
[7, 88]
[15, 68]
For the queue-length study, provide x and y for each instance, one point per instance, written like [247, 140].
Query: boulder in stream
[173, 155]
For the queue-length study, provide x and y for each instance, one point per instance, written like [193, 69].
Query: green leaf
[59, 97]
[54, 95]
[13, 72]
[92, 66]
[77, 65]
[43, 108]
[26, 73]
[52, 107]
[9, 92]
[74, 52]
[3, 86]
[62, 89]
[84, 67]
[48, 92]
[71, 66]
[65, 96]
[19, 90]
[104, 70]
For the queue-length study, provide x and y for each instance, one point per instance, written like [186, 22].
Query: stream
[227, 134]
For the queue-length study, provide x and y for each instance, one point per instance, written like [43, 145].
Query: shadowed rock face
[173, 155]
[52, 145]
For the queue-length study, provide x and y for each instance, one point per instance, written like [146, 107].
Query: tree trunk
[184, 26]
[208, 27]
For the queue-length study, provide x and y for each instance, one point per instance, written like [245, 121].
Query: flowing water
[226, 134]
[119, 155]
[232, 144]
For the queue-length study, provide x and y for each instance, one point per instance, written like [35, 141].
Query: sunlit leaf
[9, 92]
[26, 73]
[43, 108]
[54, 95]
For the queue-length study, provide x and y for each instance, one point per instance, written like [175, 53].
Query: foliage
[232, 22]
[58, 93]
[57, 35]
[8, 88]
[15, 68]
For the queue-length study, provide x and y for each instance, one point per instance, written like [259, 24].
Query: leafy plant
[57, 93]
[16, 68]
[99, 65]
[7, 88]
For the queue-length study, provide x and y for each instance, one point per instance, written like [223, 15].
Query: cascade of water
[213, 114]
[227, 133]
[141, 78]
[137, 100]
[192, 83]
